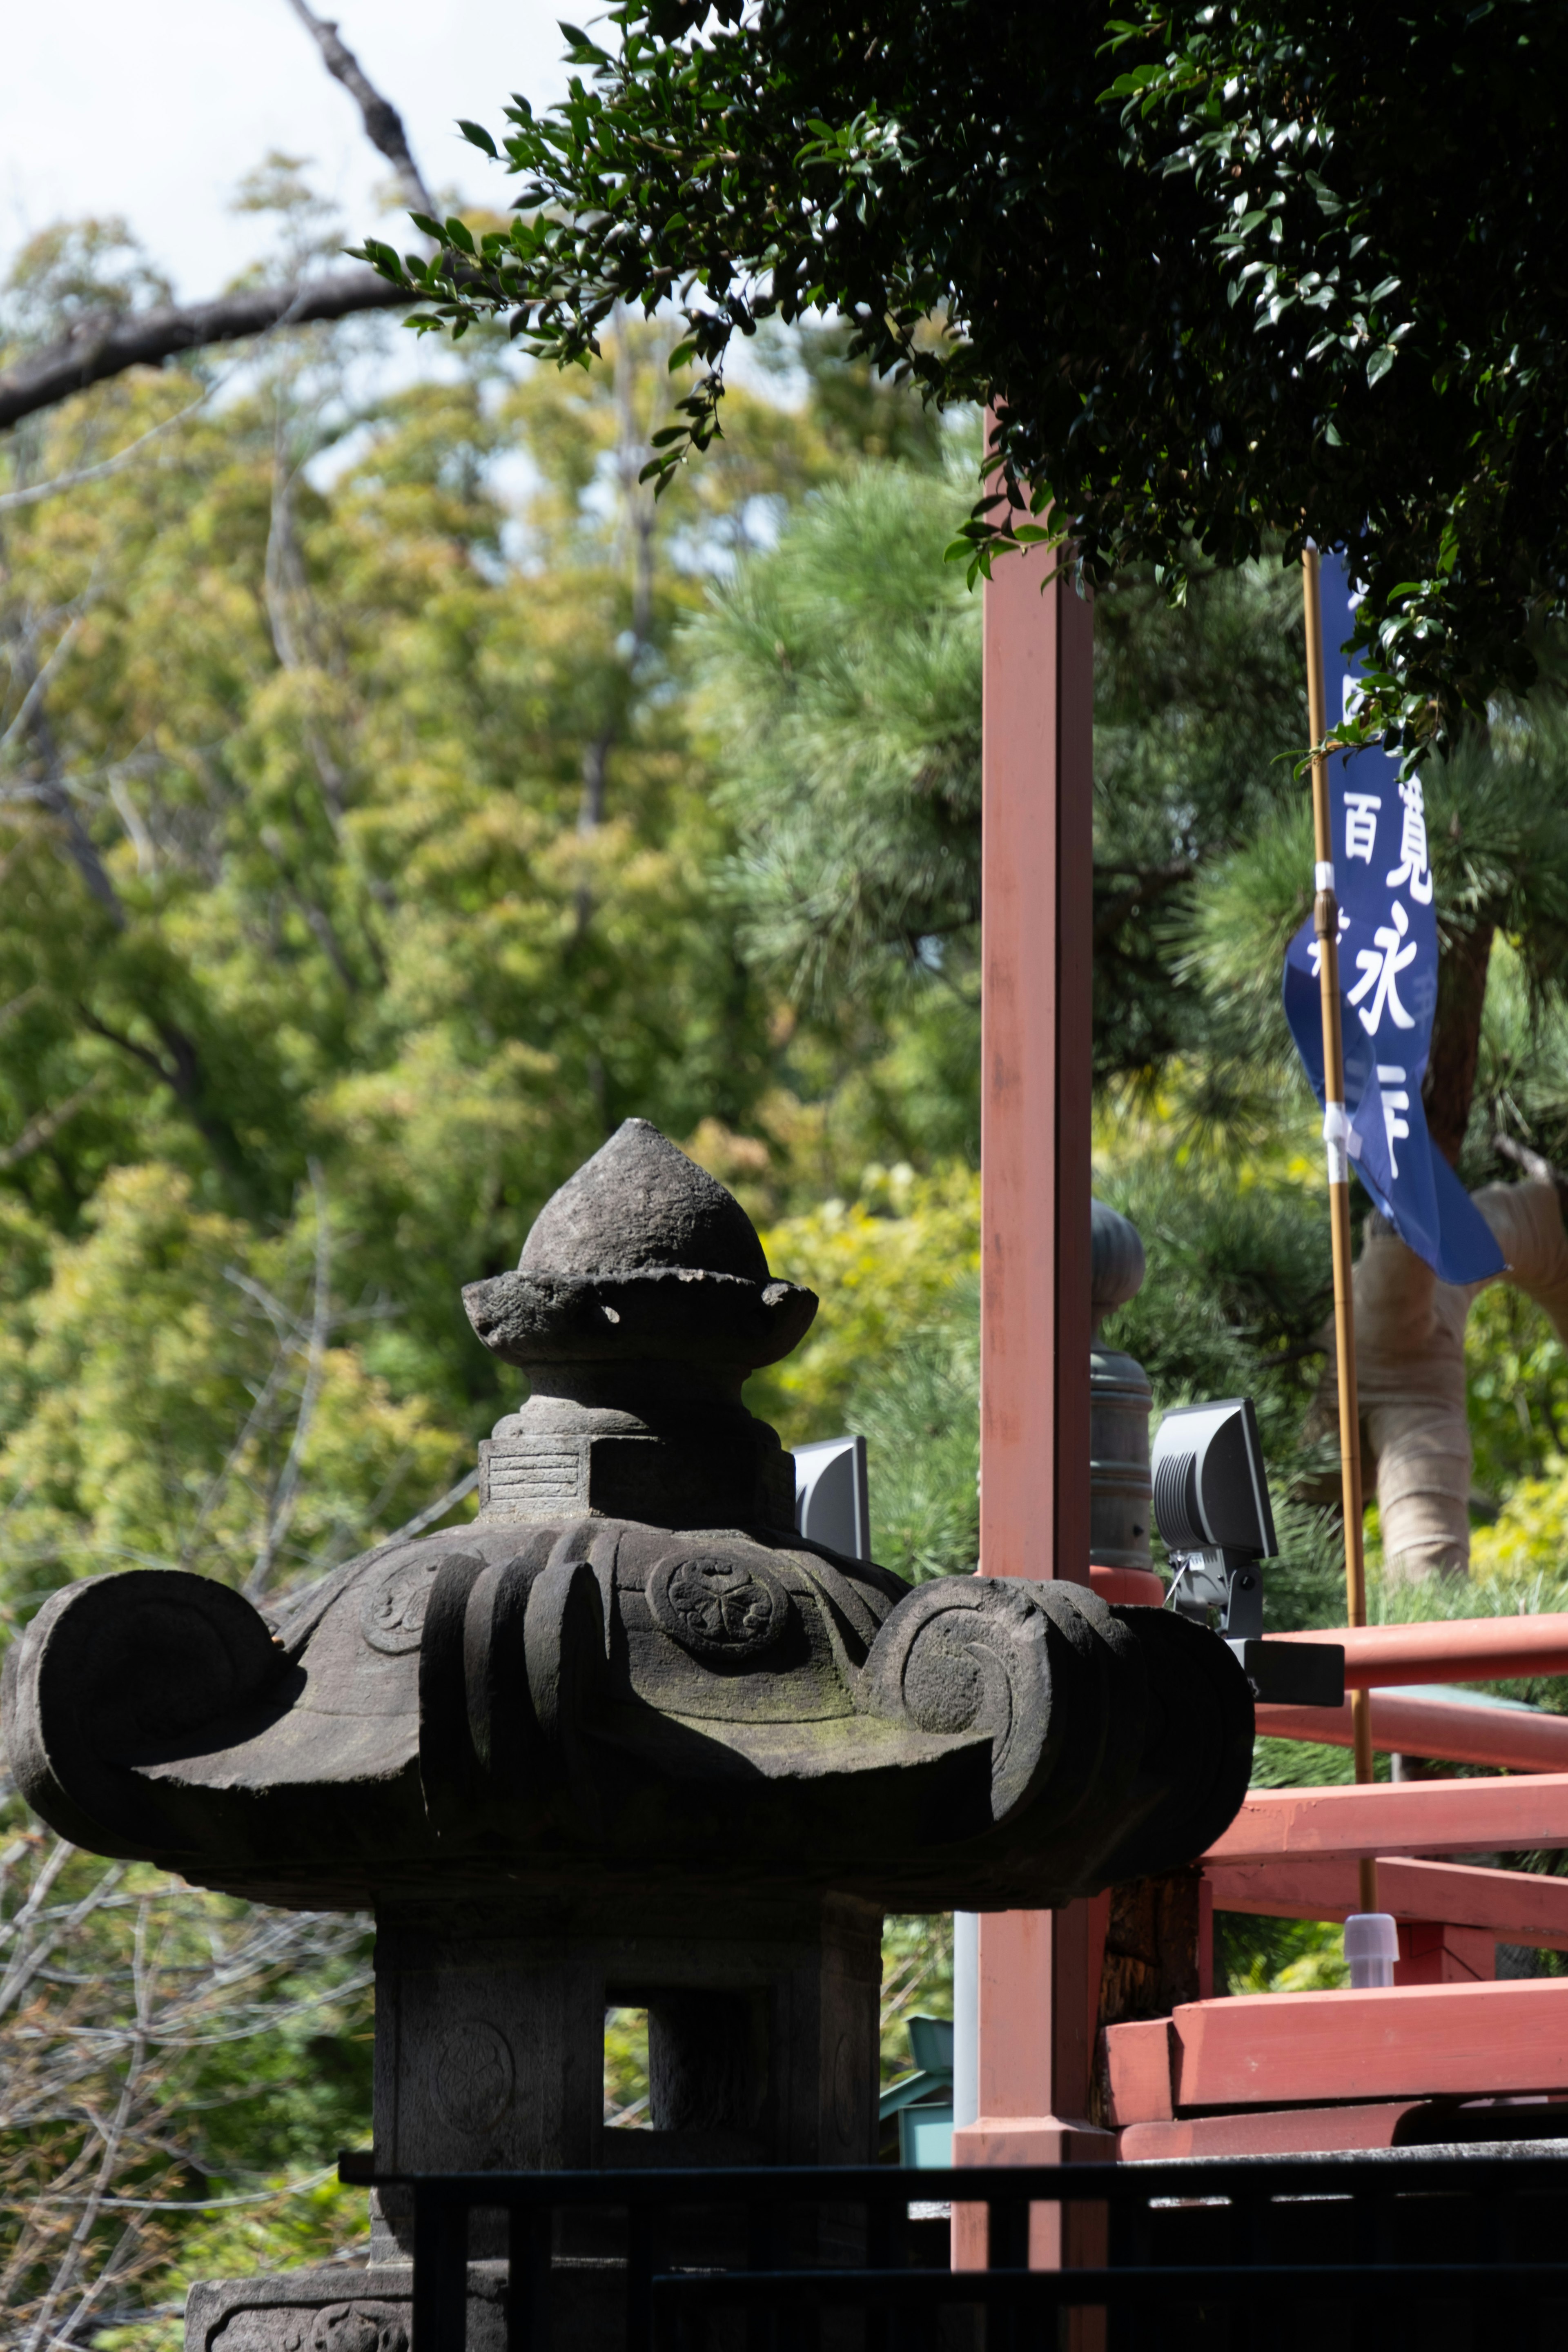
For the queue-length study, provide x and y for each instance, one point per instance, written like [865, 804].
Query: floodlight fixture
[832, 1503]
[1211, 1506]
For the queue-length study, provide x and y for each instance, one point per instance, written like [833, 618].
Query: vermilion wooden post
[1036, 969]
[1039, 1970]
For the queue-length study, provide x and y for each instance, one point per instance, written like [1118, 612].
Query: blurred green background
[393, 799]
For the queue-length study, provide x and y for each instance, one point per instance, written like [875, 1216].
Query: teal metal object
[925, 2137]
[922, 2101]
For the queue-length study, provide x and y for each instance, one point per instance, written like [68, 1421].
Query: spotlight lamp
[1212, 1508]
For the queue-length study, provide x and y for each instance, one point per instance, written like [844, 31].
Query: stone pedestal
[489, 2054]
[626, 1739]
[762, 2049]
[332, 2311]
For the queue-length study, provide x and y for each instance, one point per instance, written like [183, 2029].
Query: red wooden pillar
[1039, 1970]
[1036, 965]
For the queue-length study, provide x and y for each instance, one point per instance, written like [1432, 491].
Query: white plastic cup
[1372, 1946]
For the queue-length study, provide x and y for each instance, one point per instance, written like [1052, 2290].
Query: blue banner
[1388, 984]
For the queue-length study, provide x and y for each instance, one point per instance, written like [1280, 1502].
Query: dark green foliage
[1295, 272]
[919, 1413]
[842, 670]
[1251, 1954]
[859, 413]
[1238, 1285]
[845, 670]
[1194, 705]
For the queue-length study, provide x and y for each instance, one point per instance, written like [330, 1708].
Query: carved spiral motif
[392, 1614]
[972, 1655]
[717, 1605]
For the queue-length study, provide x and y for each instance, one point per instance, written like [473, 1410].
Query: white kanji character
[1384, 969]
[1316, 949]
[1391, 1079]
[1413, 867]
[1361, 824]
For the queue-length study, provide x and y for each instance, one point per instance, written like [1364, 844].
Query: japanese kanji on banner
[1388, 986]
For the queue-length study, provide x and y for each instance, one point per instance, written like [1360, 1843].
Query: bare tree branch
[106, 344]
[382, 122]
[103, 346]
[1507, 1147]
[27, 708]
[115, 1996]
[283, 1503]
[34, 491]
[48, 1123]
[52, 791]
[185, 1078]
[17, 1005]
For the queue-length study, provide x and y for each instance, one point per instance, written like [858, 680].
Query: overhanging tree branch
[107, 343]
[98, 348]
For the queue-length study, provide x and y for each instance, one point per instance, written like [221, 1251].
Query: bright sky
[155, 108]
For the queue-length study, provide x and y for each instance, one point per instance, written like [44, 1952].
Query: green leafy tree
[362, 866]
[841, 675]
[337, 835]
[1281, 274]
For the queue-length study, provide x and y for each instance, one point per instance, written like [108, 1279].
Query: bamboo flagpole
[1326, 923]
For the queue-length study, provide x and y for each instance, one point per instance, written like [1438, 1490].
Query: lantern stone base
[332, 2311]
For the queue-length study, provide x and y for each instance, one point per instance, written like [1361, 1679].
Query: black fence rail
[1436, 2252]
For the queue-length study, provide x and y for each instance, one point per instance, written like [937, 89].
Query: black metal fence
[1464, 2249]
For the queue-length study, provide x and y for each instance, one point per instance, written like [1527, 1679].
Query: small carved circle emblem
[392, 1613]
[471, 2077]
[717, 1605]
[359, 2327]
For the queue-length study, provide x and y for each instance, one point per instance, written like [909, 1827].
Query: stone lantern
[625, 1738]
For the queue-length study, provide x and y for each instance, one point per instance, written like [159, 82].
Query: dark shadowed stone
[643, 1260]
[625, 1739]
[1116, 1262]
[637, 1204]
[1121, 1495]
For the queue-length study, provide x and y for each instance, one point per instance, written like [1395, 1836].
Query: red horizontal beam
[1516, 1907]
[1461, 1733]
[1447, 1650]
[1410, 1816]
[1283, 2049]
[1420, 2042]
